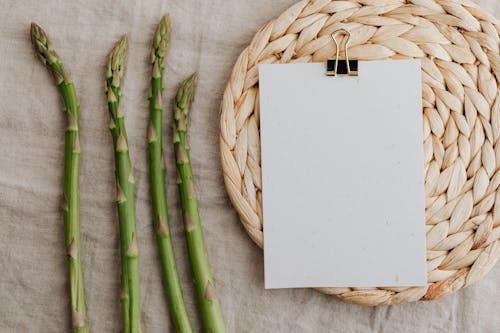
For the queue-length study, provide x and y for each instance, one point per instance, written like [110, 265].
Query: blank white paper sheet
[342, 176]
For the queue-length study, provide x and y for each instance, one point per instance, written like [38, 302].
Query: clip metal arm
[341, 66]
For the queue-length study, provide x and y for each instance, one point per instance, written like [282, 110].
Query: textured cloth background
[207, 37]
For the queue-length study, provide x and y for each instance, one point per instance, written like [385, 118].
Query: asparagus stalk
[211, 314]
[130, 296]
[170, 277]
[71, 198]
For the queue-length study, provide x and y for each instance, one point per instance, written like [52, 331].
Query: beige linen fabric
[207, 37]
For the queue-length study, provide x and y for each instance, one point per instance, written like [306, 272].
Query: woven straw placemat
[458, 43]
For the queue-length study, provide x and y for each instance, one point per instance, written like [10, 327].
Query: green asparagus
[208, 303]
[71, 197]
[130, 295]
[170, 277]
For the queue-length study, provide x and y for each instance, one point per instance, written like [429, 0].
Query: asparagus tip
[121, 48]
[124, 40]
[117, 57]
[161, 42]
[37, 32]
[43, 48]
[165, 25]
[40, 41]
[162, 34]
[116, 68]
[193, 77]
[186, 91]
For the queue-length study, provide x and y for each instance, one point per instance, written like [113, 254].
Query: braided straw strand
[458, 44]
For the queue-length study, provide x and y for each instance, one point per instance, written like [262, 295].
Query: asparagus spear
[130, 296]
[170, 277]
[211, 314]
[71, 198]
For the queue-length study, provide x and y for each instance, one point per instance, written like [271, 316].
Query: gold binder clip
[341, 66]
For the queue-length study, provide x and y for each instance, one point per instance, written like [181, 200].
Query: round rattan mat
[458, 43]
